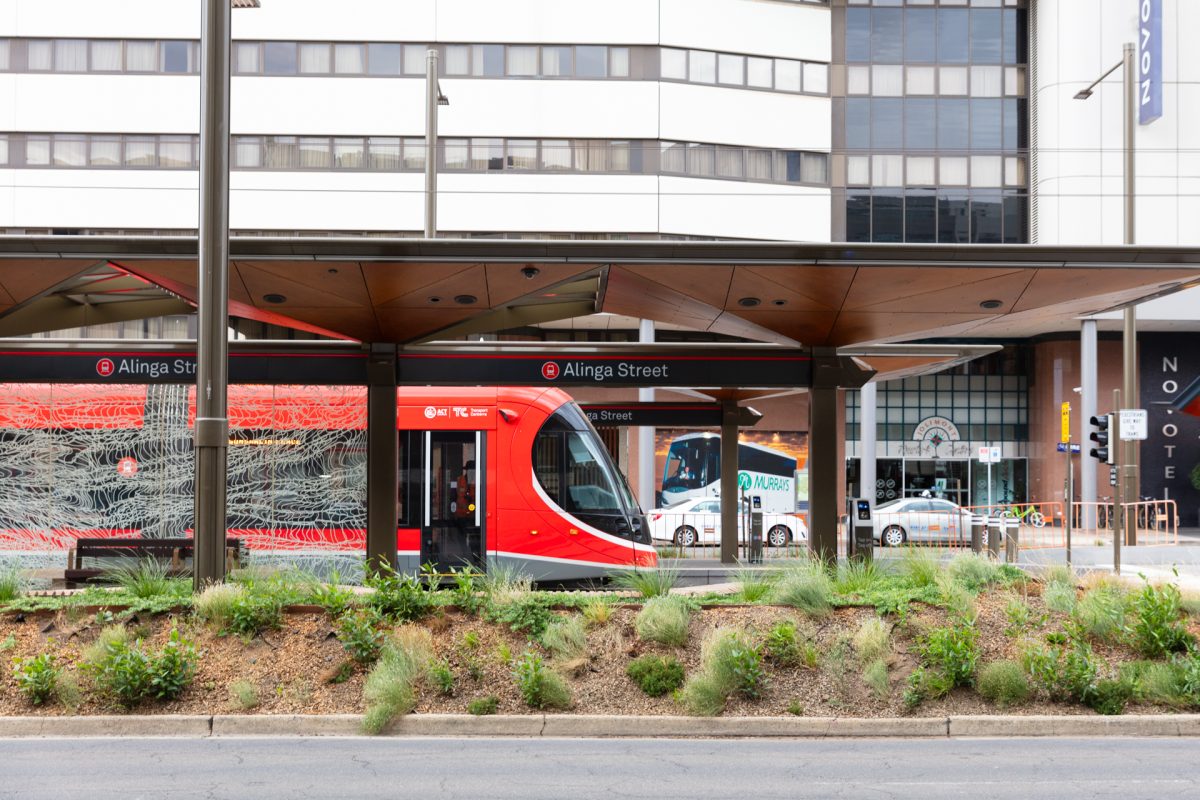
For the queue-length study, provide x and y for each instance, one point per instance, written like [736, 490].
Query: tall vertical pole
[382, 458]
[1129, 459]
[1118, 516]
[212, 345]
[645, 434]
[1087, 402]
[431, 126]
[866, 436]
[730, 496]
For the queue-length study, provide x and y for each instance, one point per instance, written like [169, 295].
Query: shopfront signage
[1149, 61]
[1065, 435]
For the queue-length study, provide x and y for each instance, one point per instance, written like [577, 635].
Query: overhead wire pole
[433, 99]
[211, 435]
[1129, 459]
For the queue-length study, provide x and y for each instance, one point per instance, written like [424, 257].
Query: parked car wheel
[892, 536]
[685, 536]
[779, 536]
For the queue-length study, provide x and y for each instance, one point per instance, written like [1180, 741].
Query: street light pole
[211, 433]
[431, 115]
[1127, 452]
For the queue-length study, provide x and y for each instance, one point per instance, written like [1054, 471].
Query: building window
[349, 59]
[590, 62]
[315, 59]
[279, 58]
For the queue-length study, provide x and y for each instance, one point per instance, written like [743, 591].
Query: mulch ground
[290, 669]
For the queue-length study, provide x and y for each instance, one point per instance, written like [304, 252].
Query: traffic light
[1102, 436]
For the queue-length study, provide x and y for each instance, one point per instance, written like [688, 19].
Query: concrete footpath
[584, 726]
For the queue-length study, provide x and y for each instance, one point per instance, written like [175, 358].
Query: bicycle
[1104, 513]
[1030, 514]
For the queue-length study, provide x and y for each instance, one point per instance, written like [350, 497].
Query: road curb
[597, 726]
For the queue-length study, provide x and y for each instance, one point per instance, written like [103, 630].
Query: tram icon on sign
[550, 370]
[105, 367]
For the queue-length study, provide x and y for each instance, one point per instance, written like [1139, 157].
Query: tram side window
[412, 479]
[547, 464]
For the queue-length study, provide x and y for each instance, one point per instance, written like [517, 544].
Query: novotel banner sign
[786, 369]
[1149, 61]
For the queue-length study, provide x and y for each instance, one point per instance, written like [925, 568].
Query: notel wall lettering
[1171, 452]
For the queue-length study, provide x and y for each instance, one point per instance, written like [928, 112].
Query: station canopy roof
[414, 291]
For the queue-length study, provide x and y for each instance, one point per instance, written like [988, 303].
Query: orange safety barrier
[1151, 522]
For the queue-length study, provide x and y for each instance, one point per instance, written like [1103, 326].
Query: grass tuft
[1059, 597]
[806, 587]
[144, 579]
[1101, 613]
[214, 605]
[729, 663]
[647, 582]
[12, 585]
[664, 620]
[505, 583]
[875, 676]
[972, 572]
[921, 566]
[656, 675]
[597, 612]
[858, 577]
[390, 688]
[566, 638]
[1003, 683]
[754, 585]
[873, 640]
[245, 694]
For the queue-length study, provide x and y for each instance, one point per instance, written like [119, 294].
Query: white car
[921, 519]
[698, 521]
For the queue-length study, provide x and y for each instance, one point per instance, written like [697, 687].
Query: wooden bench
[135, 549]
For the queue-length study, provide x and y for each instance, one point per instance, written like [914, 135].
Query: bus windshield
[691, 463]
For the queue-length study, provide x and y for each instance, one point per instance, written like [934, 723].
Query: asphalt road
[529, 769]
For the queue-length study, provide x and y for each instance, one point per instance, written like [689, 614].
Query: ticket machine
[861, 536]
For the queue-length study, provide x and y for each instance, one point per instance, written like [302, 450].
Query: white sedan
[921, 519]
[698, 521]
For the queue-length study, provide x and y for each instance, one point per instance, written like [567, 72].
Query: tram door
[452, 534]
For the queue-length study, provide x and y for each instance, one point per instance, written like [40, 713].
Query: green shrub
[703, 696]
[467, 591]
[1110, 696]
[872, 640]
[1157, 629]
[1189, 677]
[124, 672]
[656, 675]
[925, 684]
[1190, 603]
[401, 598]
[664, 620]
[597, 611]
[390, 687]
[484, 706]
[336, 600]
[921, 566]
[875, 676]
[729, 663]
[1059, 597]
[1064, 672]
[1101, 613]
[527, 612]
[442, 677]
[805, 587]
[565, 638]
[37, 677]
[648, 582]
[956, 598]
[746, 663]
[1156, 682]
[1002, 683]
[360, 637]
[781, 644]
[1019, 616]
[540, 686]
[254, 611]
[245, 694]
[857, 576]
[754, 585]
[145, 579]
[11, 585]
[952, 652]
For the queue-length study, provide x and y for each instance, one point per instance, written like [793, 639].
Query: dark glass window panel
[1010, 36]
[858, 34]
[793, 166]
[858, 123]
[987, 34]
[887, 123]
[279, 58]
[987, 126]
[952, 124]
[952, 218]
[953, 44]
[920, 123]
[920, 35]
[887, 218]
[383, 59]
[1012, 120]
[887, 35]
[1022, 124]
[920, 218]
[986, 220]
[591, 62]
[1016, 219]
[858, 218]
[175, 56]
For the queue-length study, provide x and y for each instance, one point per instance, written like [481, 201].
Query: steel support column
[1087, 410]
[824, 471]
[212, 342]
[730, 505]
[645, 433]
[866, 438]
[382, 457]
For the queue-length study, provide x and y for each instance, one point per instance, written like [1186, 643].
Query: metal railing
[1149, 522]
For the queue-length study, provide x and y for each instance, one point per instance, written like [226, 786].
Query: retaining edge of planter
[599, 726]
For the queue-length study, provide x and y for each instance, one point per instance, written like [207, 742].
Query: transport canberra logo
[599, 373]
